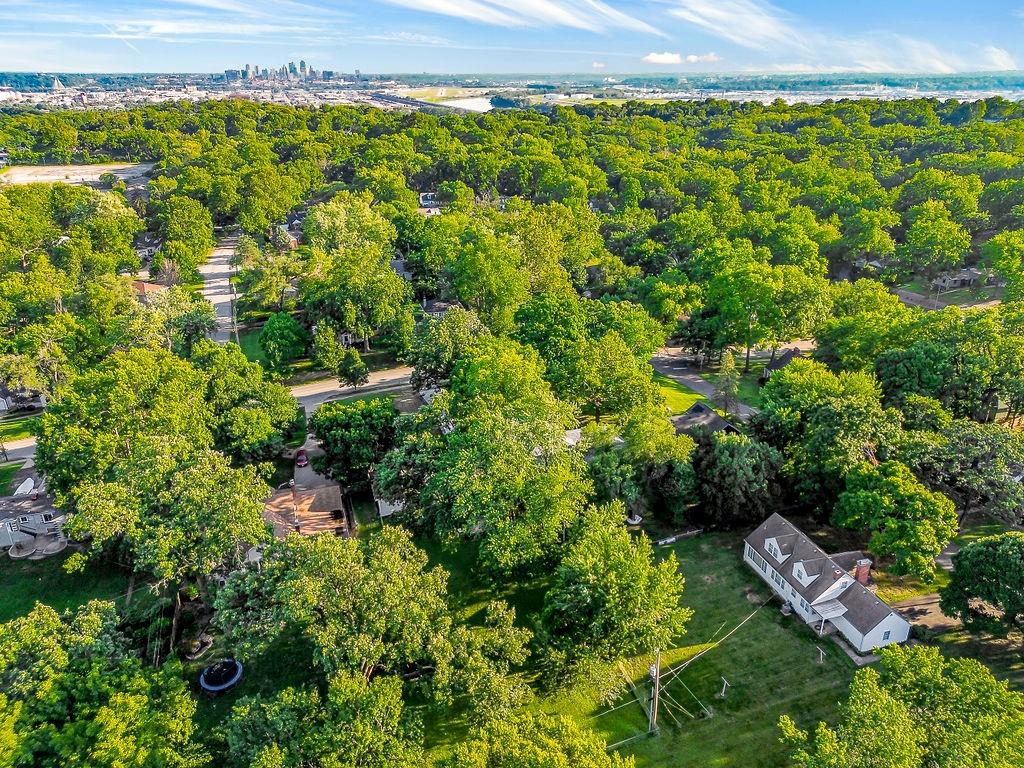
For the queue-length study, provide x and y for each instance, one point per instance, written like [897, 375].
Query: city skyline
[621, 36]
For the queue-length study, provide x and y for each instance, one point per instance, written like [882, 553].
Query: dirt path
[72, 174]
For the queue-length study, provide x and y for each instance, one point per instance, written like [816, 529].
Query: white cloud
[748, 23]
[598, 65]
[761, 26]
[664, 58]
[702, 58]
[998, 58]
[590, 15]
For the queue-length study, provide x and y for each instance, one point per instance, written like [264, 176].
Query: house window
[886, 636]
[792, 591]
[773, 551]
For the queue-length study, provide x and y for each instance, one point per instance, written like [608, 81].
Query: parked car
[301, 459]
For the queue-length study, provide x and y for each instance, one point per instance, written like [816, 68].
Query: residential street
[217, 289]
[315, 393]
[670, 362]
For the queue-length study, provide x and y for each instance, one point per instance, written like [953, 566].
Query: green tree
[986, 590]
[438, 343]
[909, 522]
[351, 368]
[1004, 252]
[934, 241]
[354, 436]
[610, 599]
[79, 696]
[357, 723]
[251, 415]
[736, 479]
[535, 739]
[727, 384]
[282, 341]
[875, 730]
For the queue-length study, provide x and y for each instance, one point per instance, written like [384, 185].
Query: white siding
[897, 627]
[783, 590]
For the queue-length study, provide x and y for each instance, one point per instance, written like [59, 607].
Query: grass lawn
[678, 398]
[750, 387]
[7, 473]
[29, 581]
[770, 663]
[248, 339]
[1004, 656]
[895, 589]
[16, 429]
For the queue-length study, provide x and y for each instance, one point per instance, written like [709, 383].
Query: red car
[301, 459]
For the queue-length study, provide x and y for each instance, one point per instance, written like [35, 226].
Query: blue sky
[613, 36]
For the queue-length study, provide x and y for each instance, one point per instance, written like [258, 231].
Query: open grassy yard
[770, 663]
[26, 582]
[896, 589]
[750, 387]
[248, 339]
[16, 429]
[678, 397]
[7, 473]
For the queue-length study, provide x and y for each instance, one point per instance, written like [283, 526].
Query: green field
[27, 582]
[7, 473]
[678, 397]
[248, 340]
[16, 429]
[770, 662]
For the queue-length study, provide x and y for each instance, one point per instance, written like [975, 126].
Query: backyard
[27, 582]
[770, 662]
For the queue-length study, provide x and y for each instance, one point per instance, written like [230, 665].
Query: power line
[673, 673]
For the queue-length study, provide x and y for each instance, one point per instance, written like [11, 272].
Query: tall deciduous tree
[986, 590]
[908, 522]
[534, 739]
[354, 436]
[357, 723]
[282, 339]
[76, 694]
[610, 599]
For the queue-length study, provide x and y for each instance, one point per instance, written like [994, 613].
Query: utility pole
[656, 678]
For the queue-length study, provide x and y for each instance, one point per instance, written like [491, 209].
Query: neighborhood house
[823, 589]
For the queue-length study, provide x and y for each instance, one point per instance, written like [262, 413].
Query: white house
[820, 589]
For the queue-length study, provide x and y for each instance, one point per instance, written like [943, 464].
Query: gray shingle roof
[863, 608]
[701, 416]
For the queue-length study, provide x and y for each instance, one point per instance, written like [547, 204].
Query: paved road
[669, 362]
[217, 288]
[18, 450]
[315, 393]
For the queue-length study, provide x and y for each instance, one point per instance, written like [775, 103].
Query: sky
[514, 36]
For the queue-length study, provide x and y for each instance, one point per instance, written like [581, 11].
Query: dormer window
[773, 550]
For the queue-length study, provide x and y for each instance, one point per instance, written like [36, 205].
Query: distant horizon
[553, 73]
[503, 36]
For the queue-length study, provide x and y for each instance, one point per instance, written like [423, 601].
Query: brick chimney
[862, 571]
